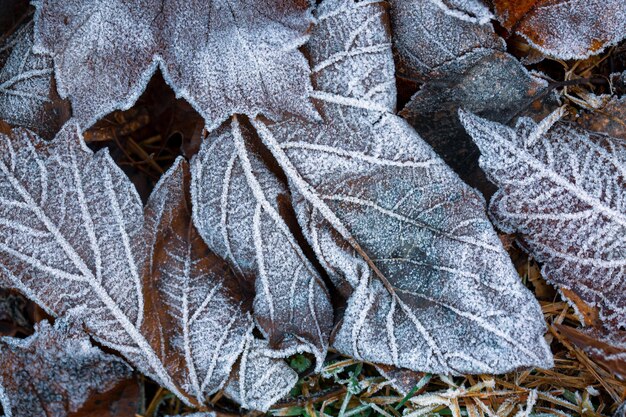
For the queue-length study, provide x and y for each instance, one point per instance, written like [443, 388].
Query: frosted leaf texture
[193, 304]
[429, 285]
[561, 190]
[54, 371]
[27, 94]
[494, 85]
[237, 209]
[469, 10]
[258, 381]
[429, 39]
[222, 57]
[73, 236]
[565, 29]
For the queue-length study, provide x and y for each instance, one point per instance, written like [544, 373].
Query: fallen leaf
[54, 371]
[223, 58]
[607, 349]
[194, 320]
[565, 29]
[429, 37]
[610, 119]
[402, 380]
[236, 203]
[28, 95]
[428, 283]
[73, 236]
[494, 84]
[561, 189]
[120, 401]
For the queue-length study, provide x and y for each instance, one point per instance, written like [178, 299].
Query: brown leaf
[610, 119]
[565, 29]
[606, 348]
[55, 371]
[120, 401]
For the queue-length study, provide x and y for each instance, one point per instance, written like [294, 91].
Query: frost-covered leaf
[194, 317]
[565, 29]
[430, 36]
[54, 371]
[258, 381]
[495, 85]
[562, 190]
[72, 235]
[237, 205]
[429, 285]
[223, 57]
[28, 96]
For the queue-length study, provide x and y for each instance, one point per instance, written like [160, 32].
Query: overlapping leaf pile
[308, 216]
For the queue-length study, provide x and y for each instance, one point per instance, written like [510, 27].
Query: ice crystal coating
[27, 94]
[429, 285]
[223, 58]
[237, 209]
[258, 381]
[54, 371]
[494, 84]
[428, 38]
[73, 236]
[565, 29]
[561, 189]
[469, 10]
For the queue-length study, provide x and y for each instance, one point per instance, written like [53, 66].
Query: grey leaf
[429, 285]
[429, 39]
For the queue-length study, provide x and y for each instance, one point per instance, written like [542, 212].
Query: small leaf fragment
[54, 371]
[28, 97]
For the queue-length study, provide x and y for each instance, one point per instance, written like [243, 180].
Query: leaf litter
[574, 385]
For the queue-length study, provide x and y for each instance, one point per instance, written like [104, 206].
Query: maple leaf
[428, 283]
[565, 29]
[54, 371]
[73, 236]
[561, 189]
[28, 97]
[431, 40]
[223, 58]
[236, 204]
